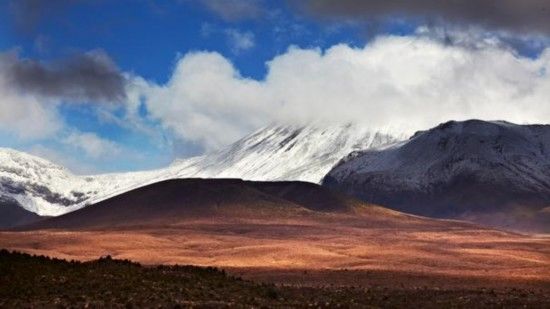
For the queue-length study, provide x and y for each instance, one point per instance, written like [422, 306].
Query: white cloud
[237, 40]
[206, 101]
[58, 157]
[37, 126]
[86, 152]
[240, 41]
[408, 83]
[93, 145]
[25, 115]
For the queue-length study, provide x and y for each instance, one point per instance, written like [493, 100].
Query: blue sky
[146, 38]
[146, 41]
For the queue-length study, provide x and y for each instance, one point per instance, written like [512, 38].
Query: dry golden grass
[334, 242]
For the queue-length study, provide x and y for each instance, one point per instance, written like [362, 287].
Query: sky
[104, 86]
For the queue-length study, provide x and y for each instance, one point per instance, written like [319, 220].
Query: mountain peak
[277, 152]
[455, 169]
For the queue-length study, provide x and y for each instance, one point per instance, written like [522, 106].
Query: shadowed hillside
[172, 201]
[12, 214]
[309, 195]
[493, 173]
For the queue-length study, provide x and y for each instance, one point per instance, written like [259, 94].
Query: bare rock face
[494, 173]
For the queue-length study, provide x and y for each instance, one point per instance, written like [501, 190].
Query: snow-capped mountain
[39, 185]
[285, 153]
[272, 153]
[491, 172]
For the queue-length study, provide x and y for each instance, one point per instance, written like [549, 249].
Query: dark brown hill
[308, 195]
[12, 214]
[173, 201]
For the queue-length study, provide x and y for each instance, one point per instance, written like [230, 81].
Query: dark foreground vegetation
[38, 281]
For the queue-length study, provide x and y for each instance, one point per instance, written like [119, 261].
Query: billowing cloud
[31, 93]
[407, 83]
[86, 77]
[235, 10]
[206, 101]
[518, 16]
[25, 115]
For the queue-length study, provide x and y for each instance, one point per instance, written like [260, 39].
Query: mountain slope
[285, 153]
[179, 200]
[39, 185]
[12, 214]
[310, 195]
[273, 153]
[491, 172]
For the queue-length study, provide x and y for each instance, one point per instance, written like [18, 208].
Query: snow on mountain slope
[37, 184]
[285, 153]
[470, 169]
[272, 153]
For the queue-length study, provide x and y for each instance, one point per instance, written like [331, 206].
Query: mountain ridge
[271, 153]
[468, 170]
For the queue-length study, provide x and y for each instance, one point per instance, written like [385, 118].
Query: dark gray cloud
[28, 14]
[85, 77]
[513, 15]
[235, 10]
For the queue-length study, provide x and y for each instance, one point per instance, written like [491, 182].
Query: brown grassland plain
[335, 249]
[318, 246]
